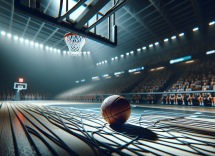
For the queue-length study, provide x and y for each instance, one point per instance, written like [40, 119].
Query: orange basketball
[115, 109]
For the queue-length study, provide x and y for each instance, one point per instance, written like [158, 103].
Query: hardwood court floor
[77, 128]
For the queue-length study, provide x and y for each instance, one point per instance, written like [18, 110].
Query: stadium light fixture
[210, 52]
[32, 43]
[165, 40]
[9, 35]
[88, 52]
[41, 45]
[36, 44]
[151, 45]
[51, 48]
[47, 47]
[122, 55]
[15, 37]
[181, 34]
[77, 81]
[127, 53]
[21, 39]
[26, 41]
[116, 57]
[152, 69]
[160, 68]
[212, 23]
[55, 49]
[100, 63]
[131, 52]
[64, 51]
[3, 33]
[58, 50]
[156, 43]
[105, 61]
[112, 59]
[144, 47]
[97, 64]
[84, 52]
[139, 49]
[195, 29]
[173, 37]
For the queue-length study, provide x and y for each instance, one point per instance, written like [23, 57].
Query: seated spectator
[179, 98]
[150, 96]
[172, 98]
[164, 97]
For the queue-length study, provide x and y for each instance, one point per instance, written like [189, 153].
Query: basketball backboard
[20, 86]
[83, 17]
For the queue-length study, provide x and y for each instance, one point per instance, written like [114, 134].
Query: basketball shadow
[133, 130]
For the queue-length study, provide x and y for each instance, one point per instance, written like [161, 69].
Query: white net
[75, 43]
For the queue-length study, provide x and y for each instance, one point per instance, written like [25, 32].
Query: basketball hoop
[75, 43]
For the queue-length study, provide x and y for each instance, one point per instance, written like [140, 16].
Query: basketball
[115, 110]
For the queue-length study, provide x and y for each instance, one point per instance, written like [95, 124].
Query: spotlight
[144, 47]
[55, 49]
[51, 48]
[116, 57]
[132, 52]
[189, 61]
[100, 63]
[36, 44]
[26, 41]
[97, 64]
[165, 40]
[195, 29]
[47, 47]
[151, 45]
[173, 37]
[15, 37]
[8, 35]
[58, 50]
[105, 61]
[156, 43]
[64, 51]
[88, 52]
[41, 45]
[32, 43]
[122, 55]
[84, 52]
[21, 39]
[138, 49]
[212, 23]
[112, 59]
[3, 33]
[181, 34]
[127, 53]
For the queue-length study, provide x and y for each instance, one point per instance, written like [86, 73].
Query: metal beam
[71, 10]
[38, 31]
[163, 12]
[11, 18]
[58, 42]
[110, 12]
[89, 12]
[196, 7]
[26, 26]
[51, 35]
[143, 24]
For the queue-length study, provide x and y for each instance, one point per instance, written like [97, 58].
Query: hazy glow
[55, 49]
[127, 53]
[105, 75]
[15, 37]
[152, 69]
[165, 40]
[32, 43]
[58, 50]
[105, 61]
[84, 52]
[100, 63]
[116, 57]
[88, 52]
[9, 35]
[51, 48]
[97, 64]
[118, 73]
[181, 34]
[41, 45]
[195, 29]
[26, 41]
[47, 47]
[212, 23]
[144, 47]
[64, 51]
[173, 37]
[122, 55]
[36, 44]
[160, 67]
[95, 77]
[21, 39]
[151, 45]
[132, 52]
[77, 81]
[3, 33]
[112, 59]
[138, 49]
[156, 43]
[82, 80]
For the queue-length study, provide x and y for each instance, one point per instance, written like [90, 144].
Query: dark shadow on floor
[133, 130]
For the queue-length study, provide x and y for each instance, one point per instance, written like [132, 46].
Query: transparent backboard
[20, 86]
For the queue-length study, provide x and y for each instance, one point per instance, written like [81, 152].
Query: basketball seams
[107, 115]
[115, 102]
[118, 113]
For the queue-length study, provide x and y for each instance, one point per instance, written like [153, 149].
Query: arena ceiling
[140, 23]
